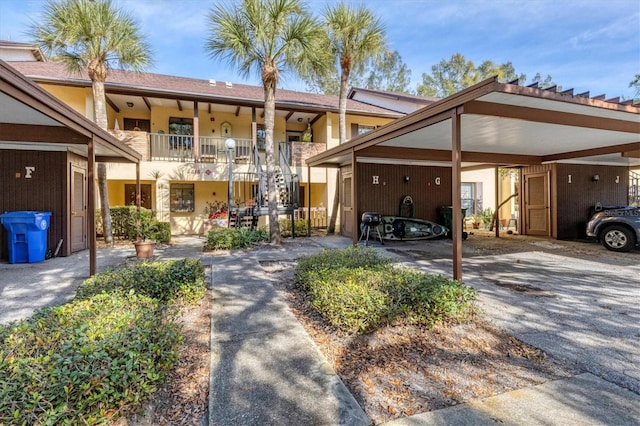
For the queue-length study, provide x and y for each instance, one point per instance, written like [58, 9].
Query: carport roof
[502, 124]
[32, 119]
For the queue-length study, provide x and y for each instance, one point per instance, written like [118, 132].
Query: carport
[491, 125]
[43, 145]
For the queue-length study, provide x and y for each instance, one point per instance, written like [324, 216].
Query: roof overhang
[32, 119]
[502, 125]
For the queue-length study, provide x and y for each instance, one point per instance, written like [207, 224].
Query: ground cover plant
[98, 357]
[358, 290]
[234, 238]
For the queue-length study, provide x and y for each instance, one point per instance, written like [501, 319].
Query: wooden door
[537, 205]
[346, 217]
[78, 209]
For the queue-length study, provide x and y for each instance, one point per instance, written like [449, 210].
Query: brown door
[537, 209]
[78, 210]
[346, 219]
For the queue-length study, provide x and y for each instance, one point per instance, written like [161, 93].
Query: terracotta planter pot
[144, 249]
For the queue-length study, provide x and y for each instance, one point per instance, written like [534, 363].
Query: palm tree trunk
[342, 120]
[105, 212]
[269, 123]
[100, 113]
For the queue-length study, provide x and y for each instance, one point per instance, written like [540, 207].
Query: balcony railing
[208, 149]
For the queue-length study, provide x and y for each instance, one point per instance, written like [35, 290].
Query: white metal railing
[208, 149]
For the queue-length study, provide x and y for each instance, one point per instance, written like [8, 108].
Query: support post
[196, 133]
[308, 201]
[138, 189]
[497, 204]
[230, 144]
[354, 197]
[456, 193]
[91, 205]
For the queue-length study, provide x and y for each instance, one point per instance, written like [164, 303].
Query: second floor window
[180, 126]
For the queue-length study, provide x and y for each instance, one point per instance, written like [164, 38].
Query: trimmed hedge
[121, 224]
[299, 224]
[234, 238]
[171, 281]
[101, 355]
[358, 290]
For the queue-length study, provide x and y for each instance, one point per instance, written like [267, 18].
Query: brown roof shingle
[159, 84]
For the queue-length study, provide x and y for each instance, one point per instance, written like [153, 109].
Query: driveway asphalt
[581, 306]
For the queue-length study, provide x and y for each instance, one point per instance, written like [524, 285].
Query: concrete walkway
[266, 370]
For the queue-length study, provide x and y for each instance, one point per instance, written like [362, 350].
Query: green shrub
[234, 238]
[85, 362]
[121, 224]
[300, 227]
[328, 259]
[170, 281]
[161, 232]
[358, 290]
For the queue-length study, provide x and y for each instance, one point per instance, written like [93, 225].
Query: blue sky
[590, 45]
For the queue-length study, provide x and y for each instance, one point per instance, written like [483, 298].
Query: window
[364, 129]
[359, 129]
[261, 136]
[182, 199]
[180, 126]
[130, 195]
[137, 124]
[472, 197]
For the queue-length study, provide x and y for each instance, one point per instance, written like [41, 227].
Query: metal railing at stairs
[251, 196]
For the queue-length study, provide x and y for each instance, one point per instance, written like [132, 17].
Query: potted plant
[307, 135]
[141, 223]
[476, 220]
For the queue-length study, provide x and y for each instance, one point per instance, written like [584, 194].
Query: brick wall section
[300, 151]
[136, 140]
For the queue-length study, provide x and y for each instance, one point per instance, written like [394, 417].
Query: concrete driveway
[575, 300]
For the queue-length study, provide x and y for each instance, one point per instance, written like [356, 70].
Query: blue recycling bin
[27, 235]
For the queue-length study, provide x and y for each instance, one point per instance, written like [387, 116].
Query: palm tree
[268, 37]
[354, 36]
[95, 36]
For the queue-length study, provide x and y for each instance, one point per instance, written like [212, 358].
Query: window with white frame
[182, 197]
[471, 197]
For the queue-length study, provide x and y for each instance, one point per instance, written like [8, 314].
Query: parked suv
[617, 228]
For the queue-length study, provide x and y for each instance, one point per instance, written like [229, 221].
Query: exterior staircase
[287, 188]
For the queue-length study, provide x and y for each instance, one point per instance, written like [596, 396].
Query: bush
[121, 224]
[299, 224]
[327, 260]
[85, 362]
[234, 238]
[161, 232]
[171, 281]
[357, 290]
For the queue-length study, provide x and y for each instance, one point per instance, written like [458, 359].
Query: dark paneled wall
[45, 191]
[384, 197]
[575, 199]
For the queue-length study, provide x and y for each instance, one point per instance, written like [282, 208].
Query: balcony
[207, 149]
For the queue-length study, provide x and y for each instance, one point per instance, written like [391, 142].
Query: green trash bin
[447, 216]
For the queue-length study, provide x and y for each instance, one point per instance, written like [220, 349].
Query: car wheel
[617, 238]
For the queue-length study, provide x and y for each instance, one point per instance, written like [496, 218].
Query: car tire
[617, 238]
